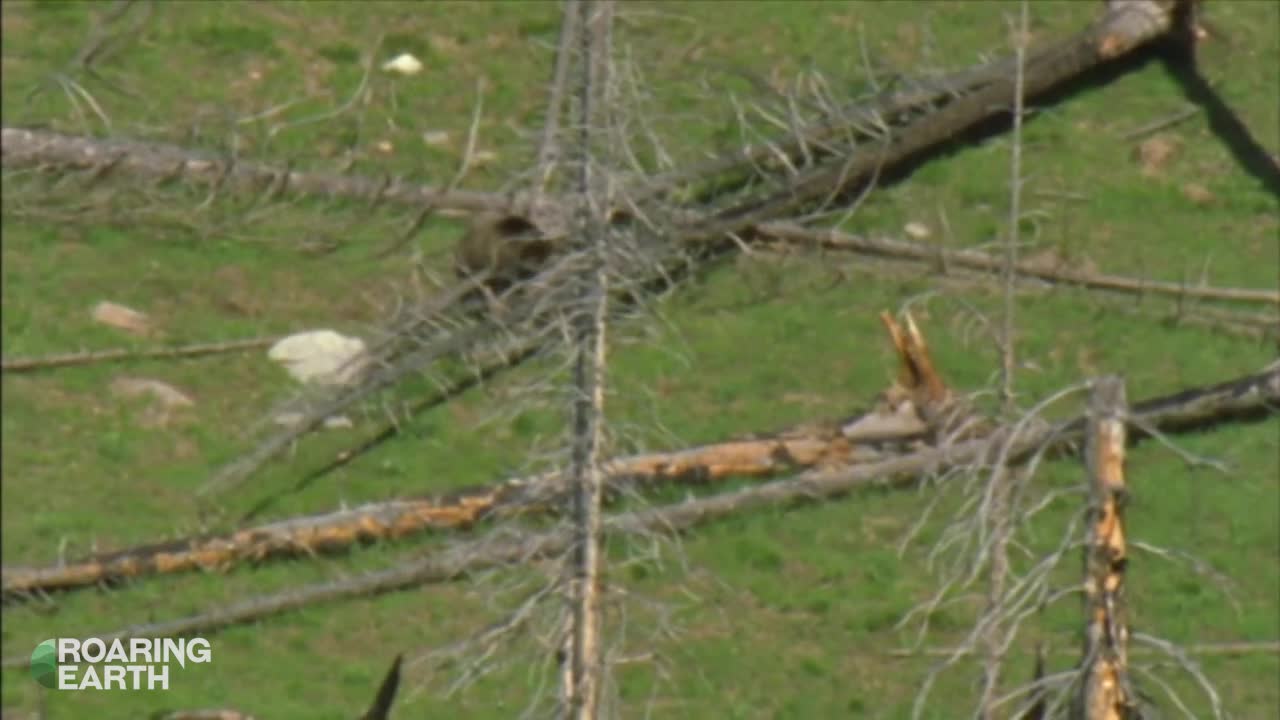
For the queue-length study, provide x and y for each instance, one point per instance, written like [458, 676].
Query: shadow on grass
[1178, 55]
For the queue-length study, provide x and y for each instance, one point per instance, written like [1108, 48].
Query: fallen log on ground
[1119, 31]
[162, 163]
[1245, 398]
[915, 409]
[1255, 326]
[976, 260]
[955, 103]
[1249, 396]
[886, 108]
[90, 357]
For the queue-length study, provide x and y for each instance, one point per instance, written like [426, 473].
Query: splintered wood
[1106, 693]
[912, 415]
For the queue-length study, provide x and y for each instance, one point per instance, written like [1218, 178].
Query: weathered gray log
[1116, 33]
[32, 148]
[90, 357]
[976, 260]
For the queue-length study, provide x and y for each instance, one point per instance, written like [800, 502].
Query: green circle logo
[44, 663]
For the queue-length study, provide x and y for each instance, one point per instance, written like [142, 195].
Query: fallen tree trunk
[1256, 326]
[975, 260]
[340, 530]
[41, 149]
[967, 98]
[1249, 397]
[914, 408]
[162, 162]
[27, 364]
[889, 107]
[1245, 396]
[1118, 32]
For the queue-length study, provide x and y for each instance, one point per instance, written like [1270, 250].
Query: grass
[782, 613]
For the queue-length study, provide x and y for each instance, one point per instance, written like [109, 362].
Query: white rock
[321, 357]
[122, 318]
[404, 64]
[917, 231]
[293, 419]
[435, 138]
[289, 419]
[335, 422]
[164, 393]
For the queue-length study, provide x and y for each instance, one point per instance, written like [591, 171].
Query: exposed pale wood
[460, 559]
[1106, 692]
[1248, 397]
[918, 406]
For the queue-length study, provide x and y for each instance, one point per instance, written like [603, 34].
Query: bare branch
[90, 357]
[976, 260]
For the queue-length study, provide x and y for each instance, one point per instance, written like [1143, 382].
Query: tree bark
[160, 162]
[582, 673]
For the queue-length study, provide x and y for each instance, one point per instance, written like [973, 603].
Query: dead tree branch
[1221, 649]
[30, 148]
[90, 357]
[1000, 510]
[549, 148]
[976, 260]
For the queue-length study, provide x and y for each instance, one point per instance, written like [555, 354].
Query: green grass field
[788, 613]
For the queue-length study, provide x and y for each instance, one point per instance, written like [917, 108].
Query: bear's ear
[511, 225]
